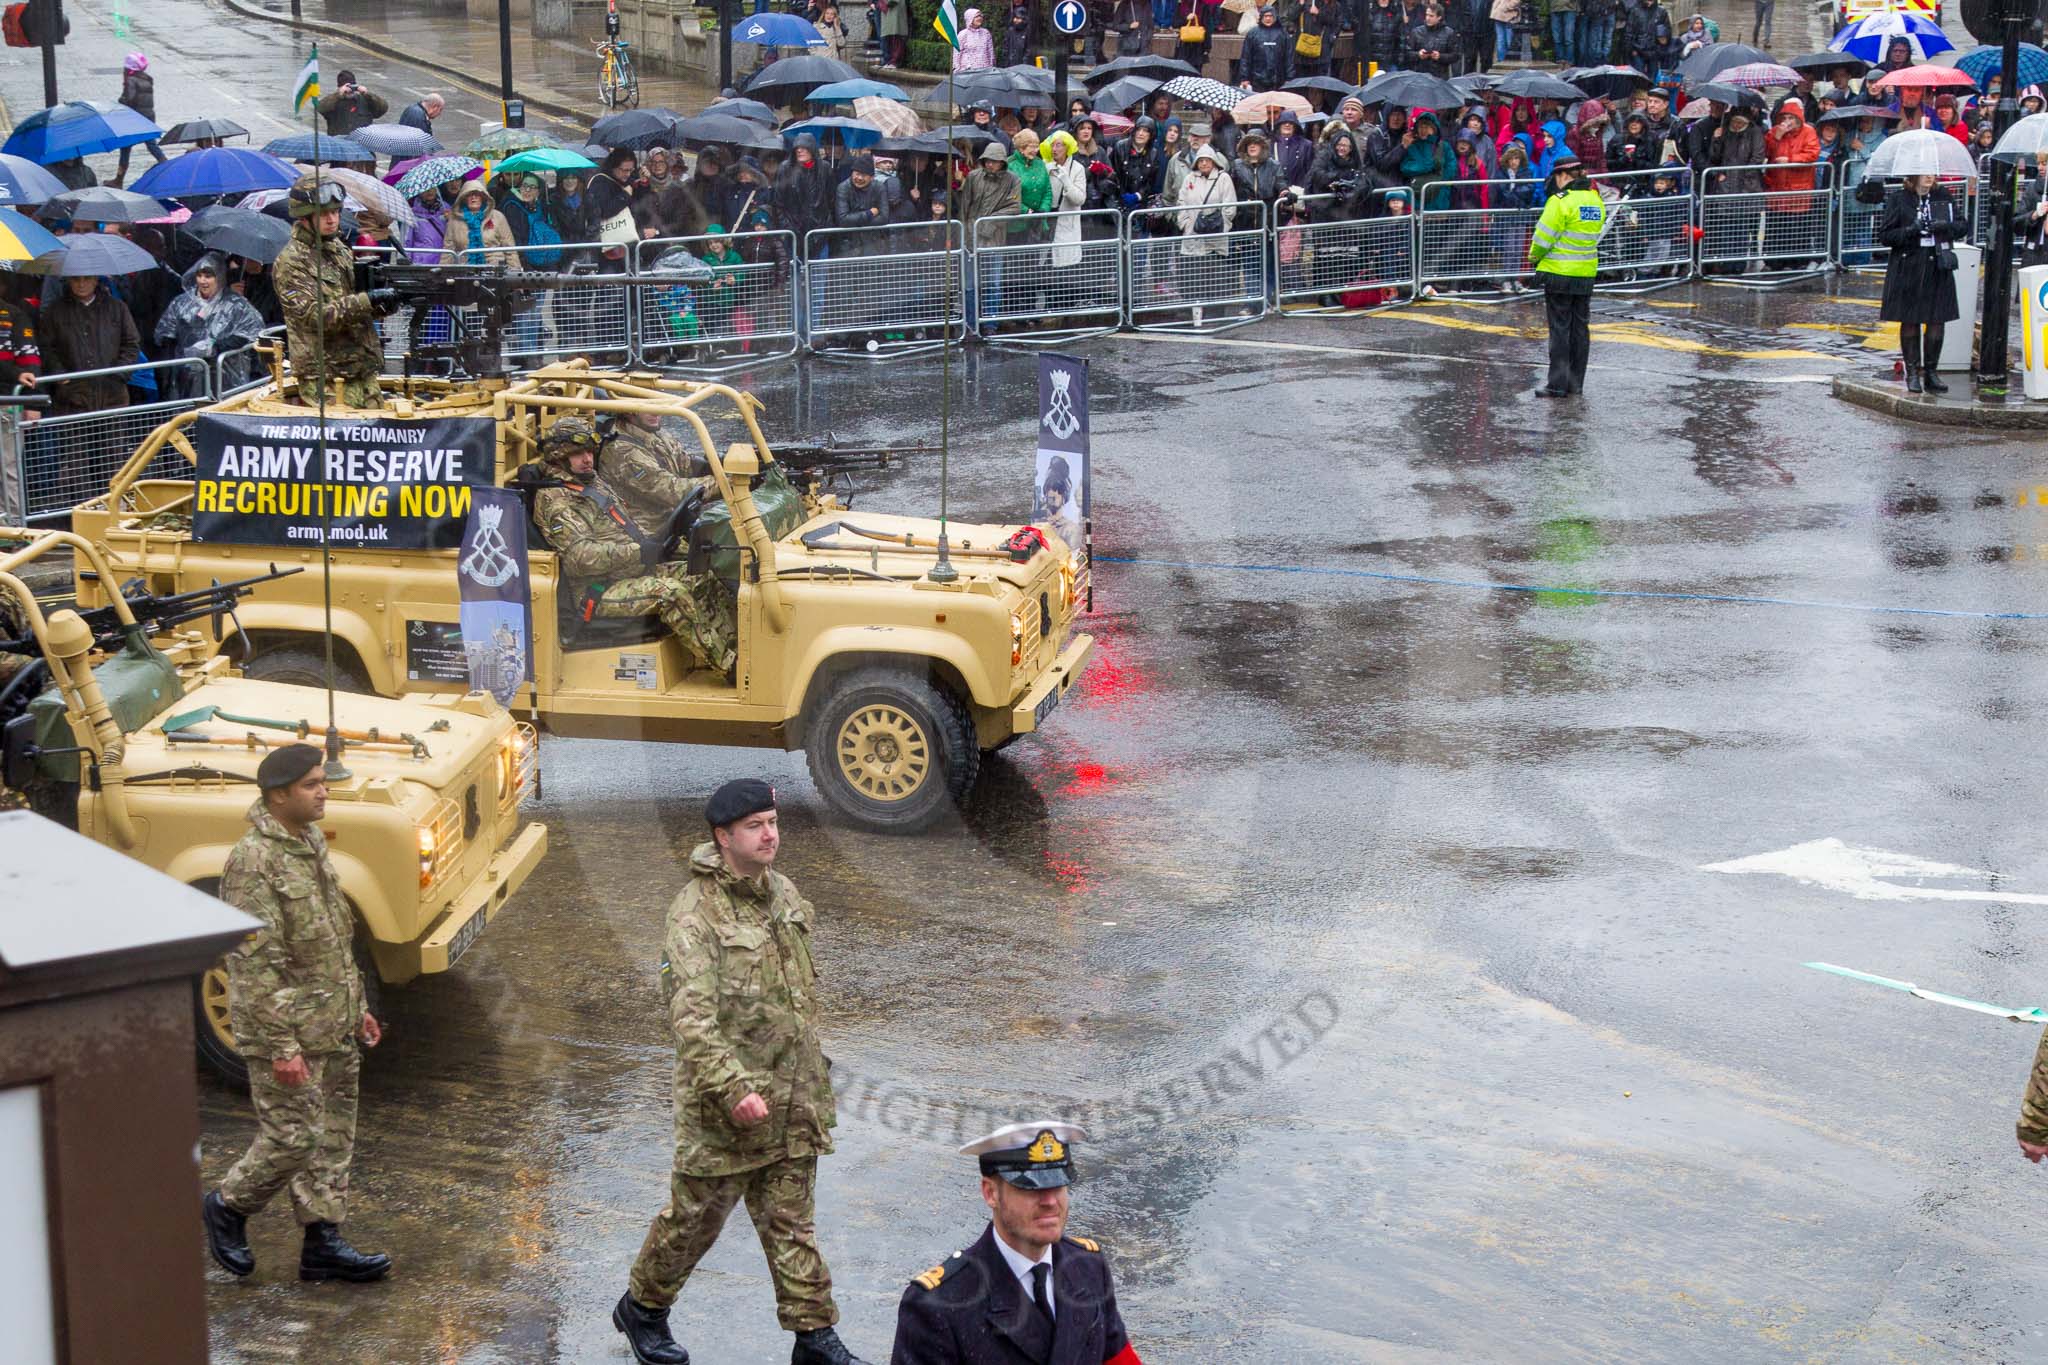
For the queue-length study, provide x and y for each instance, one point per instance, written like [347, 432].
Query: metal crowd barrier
[716, 318]
[69, 457]
[884, 291]
[1330, 256]
[1780, 235]
[1647, 243]
[244, 367]
[1458, 243]
[1024, 276]
[587, 320]
[1181, 280]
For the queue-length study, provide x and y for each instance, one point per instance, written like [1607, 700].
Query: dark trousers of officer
[1570, 314]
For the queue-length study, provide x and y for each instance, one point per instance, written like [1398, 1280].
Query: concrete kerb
[1959, 409]
[551, 107]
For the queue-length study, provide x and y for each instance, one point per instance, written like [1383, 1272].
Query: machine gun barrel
[154, 614]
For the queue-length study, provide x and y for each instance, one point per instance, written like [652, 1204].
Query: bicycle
[618, 86]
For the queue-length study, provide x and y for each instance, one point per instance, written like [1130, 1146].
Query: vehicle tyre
[304, 668]
[213, 1037]
[890, 751]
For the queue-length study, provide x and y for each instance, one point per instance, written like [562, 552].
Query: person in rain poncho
[977, 50]
[208, 320]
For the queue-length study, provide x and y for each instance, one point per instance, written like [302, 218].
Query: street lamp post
[513, 110]
[724, 46]
[1997, 310]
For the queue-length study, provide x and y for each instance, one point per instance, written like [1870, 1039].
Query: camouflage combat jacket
[597, 541]
[295, 988]
[335, 310]
[2033, 1124]
[650, 471]
[743, 1005]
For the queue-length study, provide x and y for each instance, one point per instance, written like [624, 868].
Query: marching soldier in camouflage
[753, 1102]
[610, 567]
[2033, 1124]
[650, 469]
[329, 335]
[297, 1008]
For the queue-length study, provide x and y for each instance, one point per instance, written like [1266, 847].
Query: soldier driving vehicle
[612, 568]
[328, 326]
[893, 680]
[128, 725]
[649, 469]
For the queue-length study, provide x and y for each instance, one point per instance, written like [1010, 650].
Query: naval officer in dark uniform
[1025, 1293]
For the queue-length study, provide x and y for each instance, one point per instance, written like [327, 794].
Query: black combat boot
[227, 1235]
[821, 1346]
[327, 1255]
[647, 1333]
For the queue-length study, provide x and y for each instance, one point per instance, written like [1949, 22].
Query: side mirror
[18, 752]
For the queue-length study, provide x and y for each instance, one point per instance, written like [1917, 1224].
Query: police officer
[1026, 1291]
[329, 335]
[611, 567]
[650, 469]
[753, 1103]
[1566, 253]
[296, 1006]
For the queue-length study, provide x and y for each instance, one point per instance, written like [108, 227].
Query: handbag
[1946, 259]
[618, 230]
[1309, 45]
[1193, 34]
[1209, 221]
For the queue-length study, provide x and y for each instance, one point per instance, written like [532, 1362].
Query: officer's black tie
[1039, 1275]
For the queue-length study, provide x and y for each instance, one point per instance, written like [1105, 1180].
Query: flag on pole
[947, 22]
[308, 87]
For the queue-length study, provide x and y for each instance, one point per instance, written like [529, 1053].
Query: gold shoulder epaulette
[930, 1279]
[1084, 1243]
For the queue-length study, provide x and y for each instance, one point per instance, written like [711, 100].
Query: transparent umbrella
[2022, 140]
[1921, 152]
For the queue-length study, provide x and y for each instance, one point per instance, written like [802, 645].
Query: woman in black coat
[1920, 221]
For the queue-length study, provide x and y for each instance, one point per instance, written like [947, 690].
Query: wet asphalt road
[1364, 918]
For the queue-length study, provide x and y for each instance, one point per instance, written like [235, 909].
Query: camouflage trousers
[692, 606]
[780, 1199]
[344, 392]
[305, 1139]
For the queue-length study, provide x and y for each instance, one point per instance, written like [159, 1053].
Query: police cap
[1030, 1156]
[738, 799]
[282, 767]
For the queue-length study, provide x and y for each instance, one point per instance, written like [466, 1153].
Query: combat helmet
[567, 436]
[311, 193]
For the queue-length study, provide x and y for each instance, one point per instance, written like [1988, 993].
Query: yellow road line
[1628, 333]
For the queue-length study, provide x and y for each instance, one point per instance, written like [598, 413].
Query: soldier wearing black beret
[1026, 1291]
[753, 1103]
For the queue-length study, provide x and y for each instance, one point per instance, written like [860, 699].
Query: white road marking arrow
[1872, 874]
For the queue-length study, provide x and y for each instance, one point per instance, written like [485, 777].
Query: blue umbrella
[853, 132]
[777, 30]
[332, 150]
[1869, 36]
[845, 92]
[1980, 64]
[215, 170]
[23, 183]
[77, 129]
[23, 240]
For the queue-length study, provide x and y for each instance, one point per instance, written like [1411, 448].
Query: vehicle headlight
[428, 847]
[440, 837]
[1016, 639]
[1070, 578]
[518, 764]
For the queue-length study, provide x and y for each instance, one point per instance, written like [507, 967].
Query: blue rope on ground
[1424, 580]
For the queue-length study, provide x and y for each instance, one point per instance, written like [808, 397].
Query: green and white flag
[947, 22]
[308, 87]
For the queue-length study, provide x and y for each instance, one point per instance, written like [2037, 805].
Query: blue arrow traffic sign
[1070, 16]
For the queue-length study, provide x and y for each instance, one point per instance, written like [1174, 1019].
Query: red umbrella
[1113, 125]
[1924, 76]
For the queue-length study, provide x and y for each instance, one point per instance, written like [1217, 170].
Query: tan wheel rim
[213, 1002]
[884, 753]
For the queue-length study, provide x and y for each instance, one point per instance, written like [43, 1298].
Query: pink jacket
[977, 50]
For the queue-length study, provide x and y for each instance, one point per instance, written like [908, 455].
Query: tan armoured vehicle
[117, 723]
[893, 683]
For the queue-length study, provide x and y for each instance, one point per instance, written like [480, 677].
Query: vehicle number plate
[465, 936]
[1046, 706]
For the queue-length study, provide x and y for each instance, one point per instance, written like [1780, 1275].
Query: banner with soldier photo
[1060, 492]
[378, 482]
[497, 598]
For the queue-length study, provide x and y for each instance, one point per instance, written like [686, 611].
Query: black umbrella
[1328, 84]
[1032, 77]
[1820, 63]
[702, 130]
[789, 80]
[238, 232]
[105, 204]
[1472, 82]
[751, 110]
[1536, 85]
[1727, 94]
[1413, 90]
[638, 129]
[1855, 111]
[1609, 82]
[1711, 60]
[961, 132]
[1145, 64]
[191, 130]
[1120, 95]
[994, 86]
[931, 144]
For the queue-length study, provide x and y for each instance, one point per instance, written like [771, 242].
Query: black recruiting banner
[379, 482]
